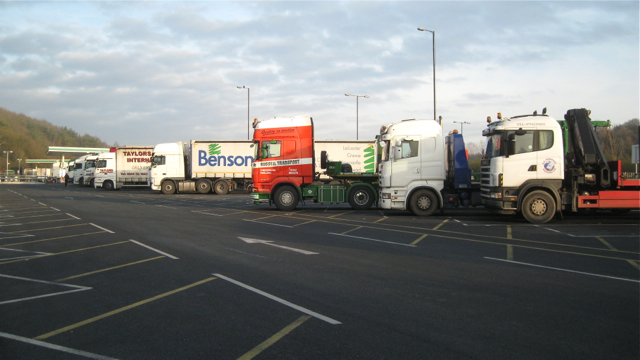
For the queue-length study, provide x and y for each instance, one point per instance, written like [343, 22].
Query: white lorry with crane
[538, 167]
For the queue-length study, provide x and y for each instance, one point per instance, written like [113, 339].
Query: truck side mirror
[323, 159]
[397, 153]
[511, 144]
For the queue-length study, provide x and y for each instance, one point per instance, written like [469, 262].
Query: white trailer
[124, 166]
[359, 154]
[202, 165]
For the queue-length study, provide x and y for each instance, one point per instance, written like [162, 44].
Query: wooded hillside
[30, 138]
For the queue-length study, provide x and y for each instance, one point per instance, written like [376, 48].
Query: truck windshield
[494, 147]
[90, 164]
[158, 160]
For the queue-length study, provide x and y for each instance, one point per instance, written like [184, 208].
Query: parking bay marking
[281, 301]
[54, 347]
[153, 249]
[117, 311]
[76, 288]
[270, 243]
[566, 270]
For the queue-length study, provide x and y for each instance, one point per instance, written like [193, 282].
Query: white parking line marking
[75, 287]
[101, 228]
[281, 301]
[75, 217]
[262, 222]
[55, 347]
[368, 239]
[55, 209]
[156, 250]
[205, 213]
[567, 270]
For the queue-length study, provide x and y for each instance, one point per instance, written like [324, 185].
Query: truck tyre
[286, 198]
[107, 185]
[423, 203]
[92, 183]
[361, 198]
[221, 187]
[81, 182]
[538, 207]
[168, 187]
[203, 186]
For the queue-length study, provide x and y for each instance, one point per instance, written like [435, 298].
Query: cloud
[150, 72]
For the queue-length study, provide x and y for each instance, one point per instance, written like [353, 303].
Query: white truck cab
[524, 154]
[168, 163]
[412, 168]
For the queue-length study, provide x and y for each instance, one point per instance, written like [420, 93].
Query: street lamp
[357, 97]
[461, 124]
[434, 69]
[19, 160]
[248, 97]
[7, 169]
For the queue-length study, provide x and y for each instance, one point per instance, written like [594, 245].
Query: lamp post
[434, 69]
[248, 98]
[19, 160]
[357, 115]
[461, 124]
[7, 169]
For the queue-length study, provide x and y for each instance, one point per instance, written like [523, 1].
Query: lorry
[408, 163]
[201, 165]
[220, 166]
[538, 167]
[78, 170]
[89, 170]
[124, 166]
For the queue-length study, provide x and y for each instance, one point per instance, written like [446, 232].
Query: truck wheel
[286, 198]
[92, 183]
[361, 198]
[81, 182]
[538, 207]
[423, 203]
[221, 187]
[203, 186]
[168, 187]
[107, 185]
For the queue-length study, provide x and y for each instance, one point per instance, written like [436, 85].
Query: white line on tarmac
[567, 270]
[153, 249]
[75, 287]
[262, 222]
[55, 347]
[205, 213]
[75, 217]
[101, 228]
[281, 301]
[368, 239]
[55, 209]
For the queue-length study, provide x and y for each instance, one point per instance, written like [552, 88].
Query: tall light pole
[357, 115]
[19, 160]
[461, 124]
[7, 169]
[434, 69]
[248, 98]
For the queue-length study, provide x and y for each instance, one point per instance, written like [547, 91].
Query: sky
[149, 72]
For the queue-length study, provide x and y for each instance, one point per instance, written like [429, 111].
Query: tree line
[30, 138]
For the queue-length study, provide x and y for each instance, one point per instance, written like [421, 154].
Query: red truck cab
[283, 158]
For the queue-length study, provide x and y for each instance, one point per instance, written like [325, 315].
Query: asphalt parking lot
[133, 274]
